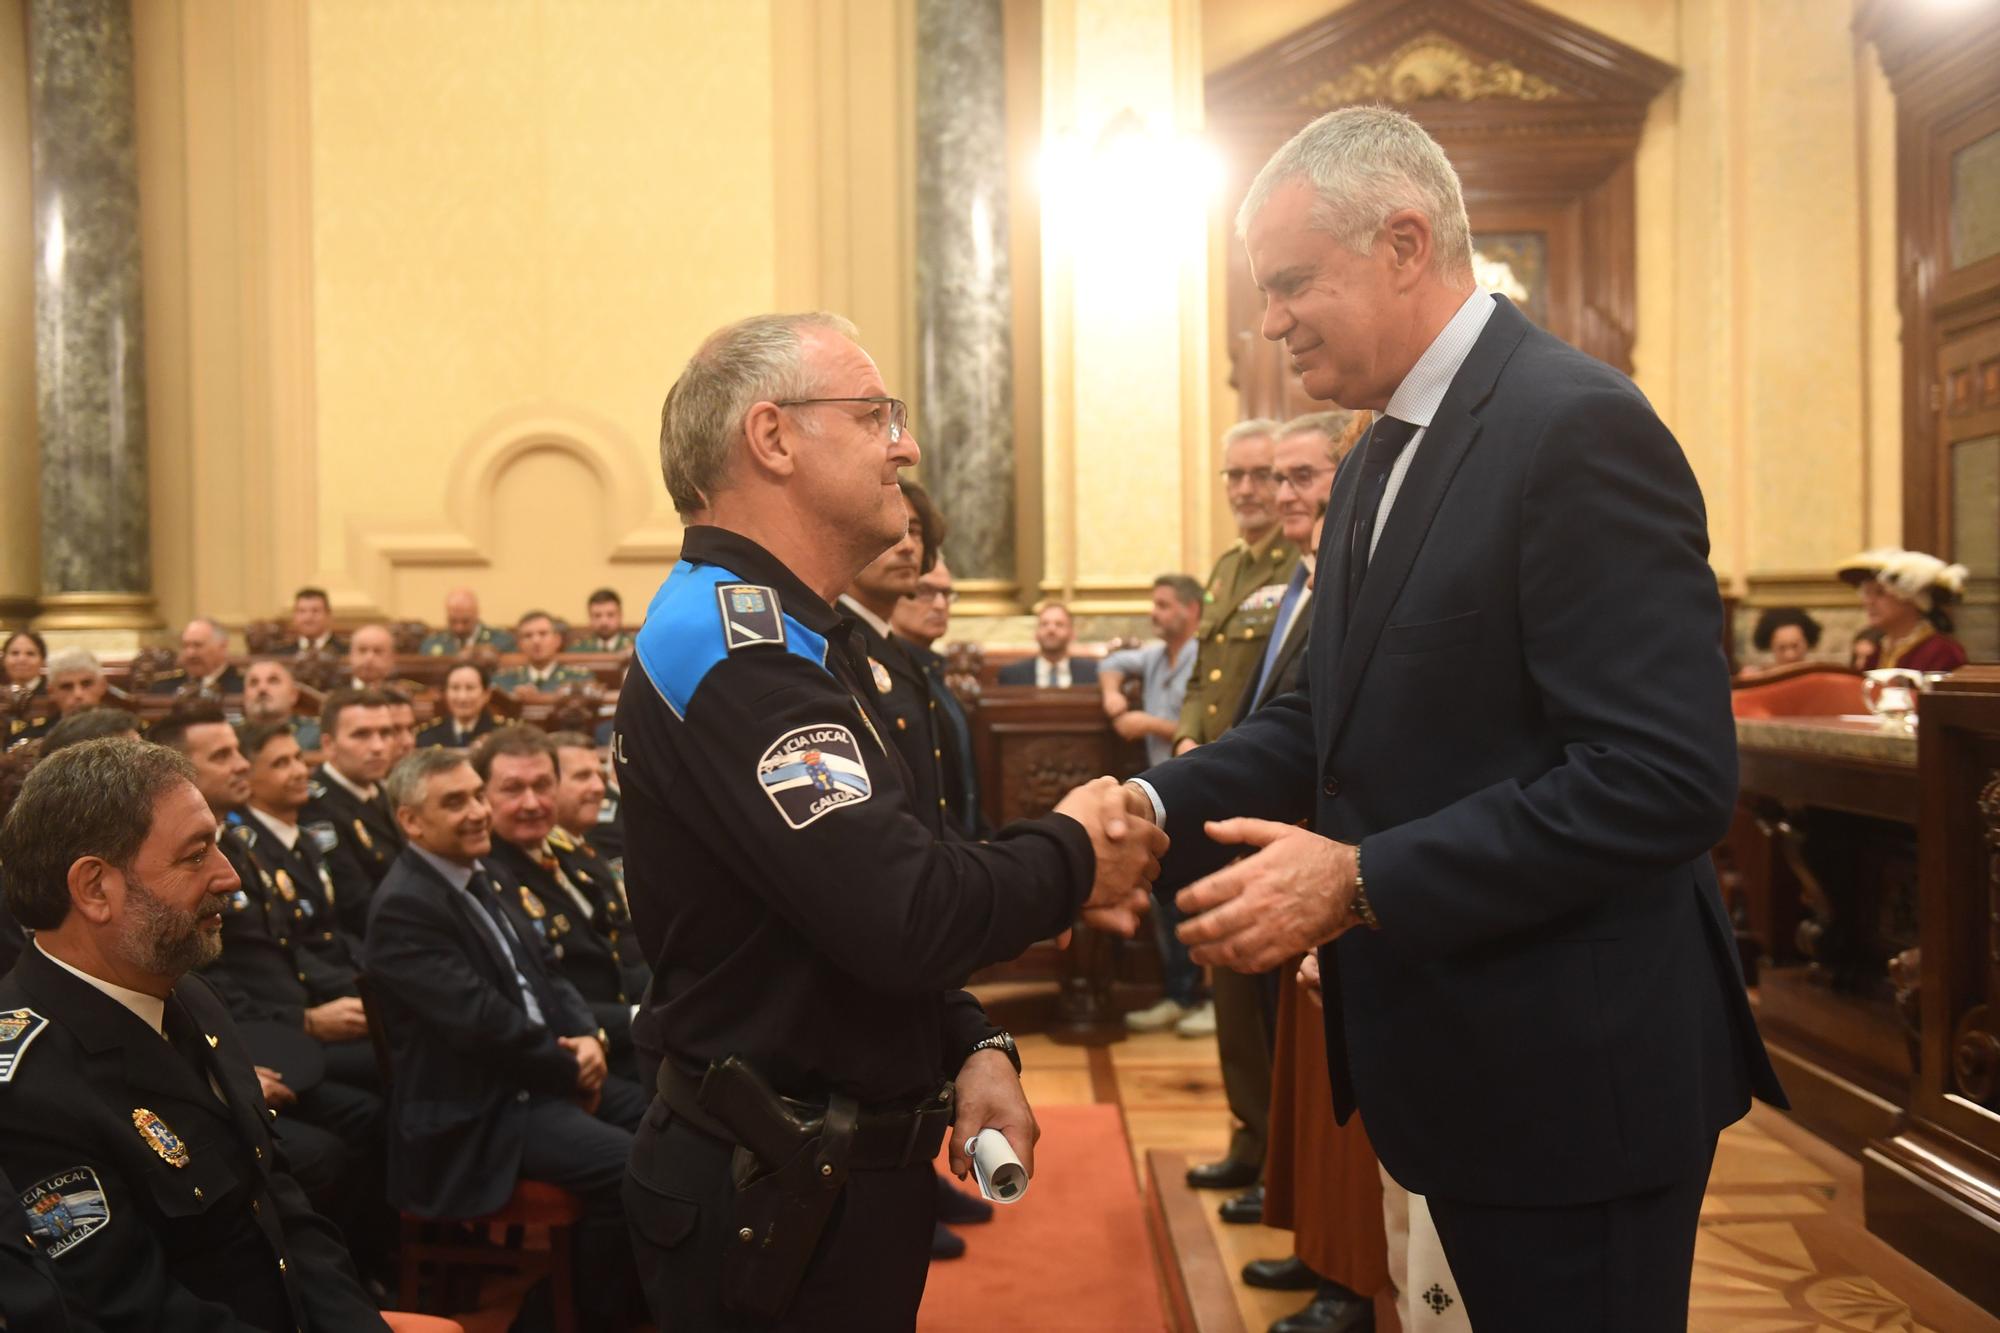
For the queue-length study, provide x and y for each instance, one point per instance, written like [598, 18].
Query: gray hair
[1366, 162]
[410, 781]
[754, 360]
[1331, 424]
[72, 660]
[94, 798]
[1254, 428]
[216, 632]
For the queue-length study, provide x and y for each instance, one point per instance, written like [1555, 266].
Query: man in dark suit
[312, 625]
[499, 1070]
[1051, 667]
[1515, 748]
[345, 812]
[131, 1118]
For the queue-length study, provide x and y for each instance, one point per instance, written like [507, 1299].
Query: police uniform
[903, 693]
[176, 681]
[1237, 613]
[358, 839]
[445, 732]
[30, 713]
[955, 751]
[565, 893]
[803, 914]
[31, 1297]
[551, 679]
[147, 1169]
[443, 643]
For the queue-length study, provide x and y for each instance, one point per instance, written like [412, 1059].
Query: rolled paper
[999, 1172]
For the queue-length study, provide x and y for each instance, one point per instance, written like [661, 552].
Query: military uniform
[359, 841]
[147, 1168]
[176, 681]
[1237, 613]
[330, 643]
[803, 913]
[443, 643]
[444, 732]
[566, 894]
[555, 677]
[621, 642]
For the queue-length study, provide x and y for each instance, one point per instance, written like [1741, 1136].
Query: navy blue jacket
[1525, 726]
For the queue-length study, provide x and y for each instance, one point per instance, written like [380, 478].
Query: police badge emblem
[159, 1137]
[531, 904]
[285, 889]
[65, 1210]
[810, 771]
[362, 834]
[881, 673]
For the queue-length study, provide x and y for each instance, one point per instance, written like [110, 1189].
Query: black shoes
[1334, 1310]
[958, 1208]
[1227, 1174]
[944, 1244]
[1246, 1208]
[1288, 1274]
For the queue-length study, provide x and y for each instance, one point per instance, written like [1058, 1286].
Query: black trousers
[1619, 1266]
[867, 1275]
[585, 1154]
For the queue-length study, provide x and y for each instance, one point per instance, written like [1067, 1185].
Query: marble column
[89, 364]
[964, 292]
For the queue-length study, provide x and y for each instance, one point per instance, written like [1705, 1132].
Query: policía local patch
[65, 1210]
[813, 770]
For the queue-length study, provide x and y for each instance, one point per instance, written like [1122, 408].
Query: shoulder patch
[560, 840]
[751, 615]
[324, 836]
[65, 1210]
[316, 789]
[810, 772]
[18, 1030]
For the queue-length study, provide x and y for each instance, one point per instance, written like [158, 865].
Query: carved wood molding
[1975, 1038]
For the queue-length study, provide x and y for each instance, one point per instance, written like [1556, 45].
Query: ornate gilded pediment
[1431, 67]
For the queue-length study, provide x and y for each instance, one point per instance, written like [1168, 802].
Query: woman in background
[1787, 633]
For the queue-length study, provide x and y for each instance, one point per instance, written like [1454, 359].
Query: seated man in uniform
[607, 624]
[131, 1118]
[345, 812]
[270, 693]
[371, 657]
[540, 643]
[580, 788]
[76, 680]
[556, 892]
[402, 723]
[204, 667]
[463, 629]
[500, 1071]
[312, 624]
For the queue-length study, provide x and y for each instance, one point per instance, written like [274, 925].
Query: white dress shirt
[286, 833]
[149, 1009]
[1052, 675]
[865, 616]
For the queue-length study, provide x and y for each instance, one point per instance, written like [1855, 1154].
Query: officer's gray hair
[72, 660]
[1366, 162]
[1253, 429]
[216, 633]
[754, 360]
[1331, 425]
[409, 782]
[94, 798]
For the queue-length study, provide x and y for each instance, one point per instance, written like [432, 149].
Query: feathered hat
[1924, 581]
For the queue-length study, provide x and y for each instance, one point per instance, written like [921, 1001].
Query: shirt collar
[335, 775]
[457, 875]
[283, 830]
[706, 544]
[148, 1009]
[1417, 398]
[865, 616]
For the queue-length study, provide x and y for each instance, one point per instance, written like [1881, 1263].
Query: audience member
[468, 690]
[111, 860]
[606, 610]
[1240, 607]
[371, 656]
[543, 673]
[312, 625]
[90, 724]
[1787, 634]
[23, 660]
[204, 668]
[402, 723]
[1052, 667]
[1163, 667]
[463, 629]
[1865, 653]
[76, 681]
[1307, 453]
[1904, 595]
[580, 788]
[271, 694]
[29, 710]
[499, 1075]
[920, 621]
[345, 812]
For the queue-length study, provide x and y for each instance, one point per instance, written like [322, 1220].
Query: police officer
[204, 668]
[807, 925]
[131, 1121]
[556, 891]
[345, 813]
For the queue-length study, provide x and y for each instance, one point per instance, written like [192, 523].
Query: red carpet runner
[1072, 1254]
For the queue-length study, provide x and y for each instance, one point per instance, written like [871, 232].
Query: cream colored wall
[20, 533]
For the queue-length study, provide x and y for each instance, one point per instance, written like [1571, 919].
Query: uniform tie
[1386, 439]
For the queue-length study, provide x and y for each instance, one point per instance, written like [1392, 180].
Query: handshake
[1127, 846]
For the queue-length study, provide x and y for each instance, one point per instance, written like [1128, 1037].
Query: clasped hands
[1126, 854]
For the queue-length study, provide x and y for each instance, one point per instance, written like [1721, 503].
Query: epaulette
[560, 840]
[316, 789]
[751, 615]
[18, 1030]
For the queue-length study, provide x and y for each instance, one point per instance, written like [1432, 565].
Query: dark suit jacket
[1288, 672]
[1525, 725]
[465, 1057]
[1082, 671]
[196, 1245]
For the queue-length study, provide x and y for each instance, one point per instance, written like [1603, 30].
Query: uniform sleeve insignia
[810, 771]
[18, 1030]
[531, 904]
[324, 837]
[159, 1137]
[883, 685]
[65, 1210]
[750, 615]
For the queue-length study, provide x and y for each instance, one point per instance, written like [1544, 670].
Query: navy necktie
[1386, 439]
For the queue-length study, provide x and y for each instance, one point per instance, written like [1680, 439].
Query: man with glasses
[1239, 609]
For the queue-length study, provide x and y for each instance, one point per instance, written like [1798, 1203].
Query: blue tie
[1281, 628]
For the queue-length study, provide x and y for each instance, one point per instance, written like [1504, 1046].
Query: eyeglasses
[1300, 478]
[947, 595]
[894, 409]
[1256, 476]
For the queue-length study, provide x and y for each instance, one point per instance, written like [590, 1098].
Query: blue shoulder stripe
[685, 635]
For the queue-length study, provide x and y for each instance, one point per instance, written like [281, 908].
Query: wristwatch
[1358, 906]
[1003, 1042]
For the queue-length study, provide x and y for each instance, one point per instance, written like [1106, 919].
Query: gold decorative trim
[98, 611]
[1431, 68]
